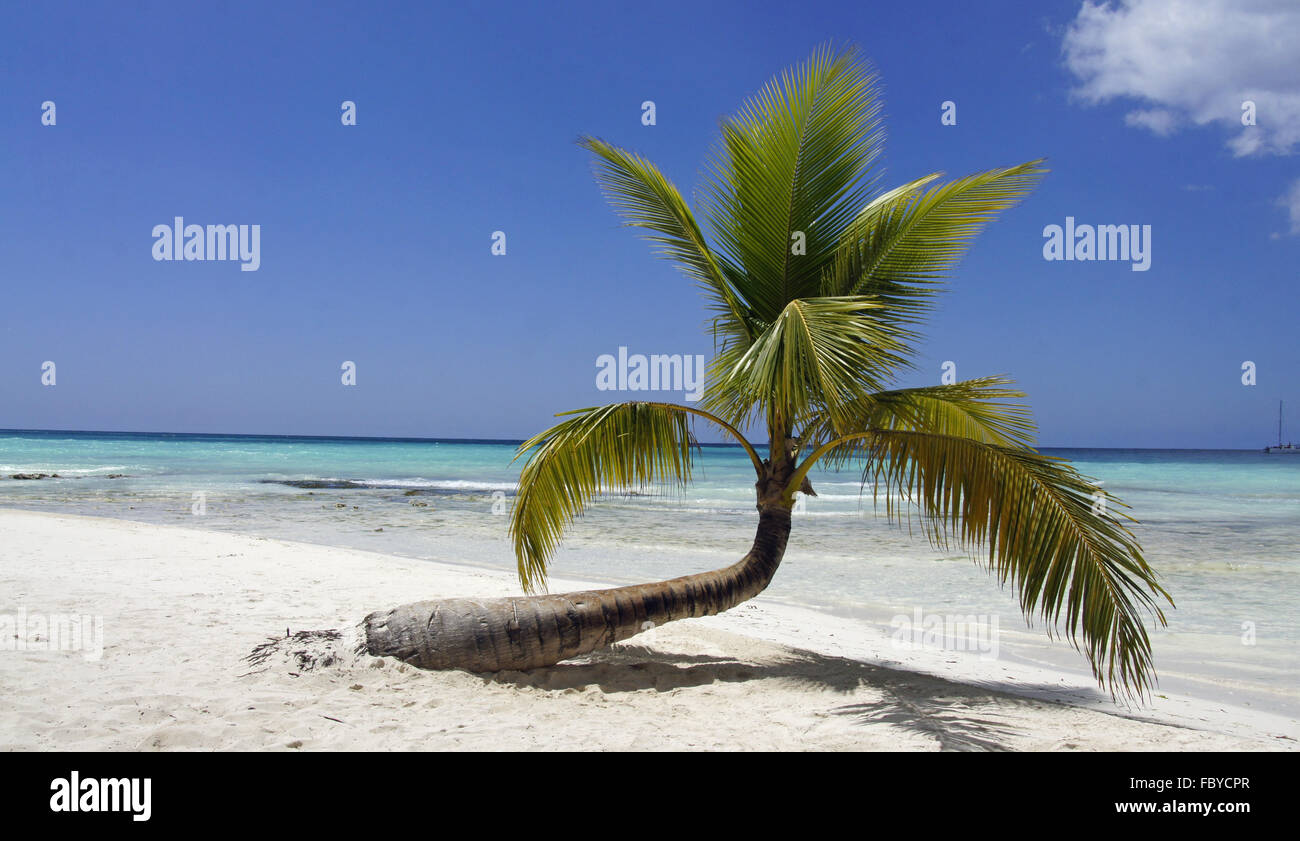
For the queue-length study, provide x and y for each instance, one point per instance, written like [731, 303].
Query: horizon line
[511, 441]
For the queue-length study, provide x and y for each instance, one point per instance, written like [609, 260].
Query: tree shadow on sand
[932, 707]
[946, 720]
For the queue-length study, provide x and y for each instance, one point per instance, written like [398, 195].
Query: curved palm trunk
[488, 635]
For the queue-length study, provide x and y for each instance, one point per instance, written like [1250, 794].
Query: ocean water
[1221, 527]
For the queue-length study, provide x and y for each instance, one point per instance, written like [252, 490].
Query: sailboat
[1282, 448]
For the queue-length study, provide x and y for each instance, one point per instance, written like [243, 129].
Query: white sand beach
[182, 610]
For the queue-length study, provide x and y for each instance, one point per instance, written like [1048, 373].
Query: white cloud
[1194, 62]
[1291, 201]
[1162, 121]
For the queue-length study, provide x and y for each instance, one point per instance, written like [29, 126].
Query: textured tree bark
[489, 635]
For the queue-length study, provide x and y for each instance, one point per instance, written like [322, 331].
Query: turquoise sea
[1222, 527]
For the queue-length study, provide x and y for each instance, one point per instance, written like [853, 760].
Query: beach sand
[182, 609]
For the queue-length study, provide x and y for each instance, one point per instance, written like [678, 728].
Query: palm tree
[817, 283]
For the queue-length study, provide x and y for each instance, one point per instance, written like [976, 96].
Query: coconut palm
[817, 283]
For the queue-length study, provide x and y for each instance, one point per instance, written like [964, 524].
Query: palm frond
[818, 355]
[981, 409]
[606, 449]
[648, 200]
[1074, 562]
[904, 242]
[797, 157]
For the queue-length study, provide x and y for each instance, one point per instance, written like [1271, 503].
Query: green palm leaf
[904, 242]
[1046, 531]
[607, 449]
[648, 200]
[796, 158]
[819, 354]
[980, 409]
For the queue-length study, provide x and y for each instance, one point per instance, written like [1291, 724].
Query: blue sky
[376, 238]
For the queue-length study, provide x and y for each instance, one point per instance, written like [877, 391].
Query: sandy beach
[183, 609]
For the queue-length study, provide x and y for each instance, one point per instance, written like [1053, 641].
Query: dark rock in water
[352, 484]
[30, 476]
[115, 476]
[324, 484]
